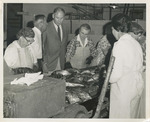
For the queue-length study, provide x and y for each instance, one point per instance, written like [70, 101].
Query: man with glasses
[18, 54]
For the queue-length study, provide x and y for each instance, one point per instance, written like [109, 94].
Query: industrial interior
[72, 93]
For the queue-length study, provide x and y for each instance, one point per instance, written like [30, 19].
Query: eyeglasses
[29, 40]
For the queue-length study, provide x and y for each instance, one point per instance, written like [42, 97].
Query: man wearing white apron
[79, 48]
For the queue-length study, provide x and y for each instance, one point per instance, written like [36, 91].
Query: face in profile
[83, 33]
[115, 33]
[58, 17]
[44, 26]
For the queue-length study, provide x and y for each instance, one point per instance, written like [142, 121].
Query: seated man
[18, 56]
[80, 47]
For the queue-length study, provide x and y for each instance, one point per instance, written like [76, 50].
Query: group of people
[46, 48]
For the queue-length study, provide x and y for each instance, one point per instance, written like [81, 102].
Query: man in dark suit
[55, 42]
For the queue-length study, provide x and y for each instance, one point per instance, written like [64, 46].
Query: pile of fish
[81, 85]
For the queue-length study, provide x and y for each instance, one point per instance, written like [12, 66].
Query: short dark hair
[136, 28]
[58, 9]
[86, 26]
[39, 16]
[107, 28]
[121, 22]
[25, 32]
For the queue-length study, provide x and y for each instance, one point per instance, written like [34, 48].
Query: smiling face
[58, 17]
[44, 25]
[41, 24]
[83, 33]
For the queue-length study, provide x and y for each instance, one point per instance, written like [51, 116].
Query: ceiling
[95, 11]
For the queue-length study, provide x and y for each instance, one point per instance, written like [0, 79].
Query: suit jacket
[53, 47]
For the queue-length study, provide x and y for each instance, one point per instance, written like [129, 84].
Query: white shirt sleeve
[117, 72]
[11, 56]
[37, 47]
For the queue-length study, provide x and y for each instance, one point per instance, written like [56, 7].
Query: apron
[79, 59]
[25, 59]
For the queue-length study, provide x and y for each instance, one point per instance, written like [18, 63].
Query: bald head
[58, 15]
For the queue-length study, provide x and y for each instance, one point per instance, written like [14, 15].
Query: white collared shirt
[85, 43]
[56, 27]
[37, 44]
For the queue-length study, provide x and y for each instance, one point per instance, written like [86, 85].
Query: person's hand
[44, 67]
[35, 68]
[89, 59]
[68, 65]
[21, 70]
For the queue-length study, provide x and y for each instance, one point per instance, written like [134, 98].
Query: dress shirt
[56, 27]
[37, 44]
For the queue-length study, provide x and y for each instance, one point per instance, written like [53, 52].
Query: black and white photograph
[74, 60]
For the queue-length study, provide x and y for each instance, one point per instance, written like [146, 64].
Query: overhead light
[113, 6]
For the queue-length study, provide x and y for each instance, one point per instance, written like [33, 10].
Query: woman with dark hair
[105, 45]
[126, 78]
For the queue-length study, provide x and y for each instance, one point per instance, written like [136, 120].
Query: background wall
[32, 9]
[18, 15]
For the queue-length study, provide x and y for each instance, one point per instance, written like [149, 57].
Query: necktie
[59, 32]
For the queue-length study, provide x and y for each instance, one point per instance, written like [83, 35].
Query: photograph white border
[147, 119]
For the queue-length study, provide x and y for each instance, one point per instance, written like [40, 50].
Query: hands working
[68, 65]
[89, 59]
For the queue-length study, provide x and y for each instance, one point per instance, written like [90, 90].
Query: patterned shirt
[102, 48]
[74, 43]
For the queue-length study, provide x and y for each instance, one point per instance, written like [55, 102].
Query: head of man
[136, 31]
[84, 31]
[58, 15]
[120, 25]
[40, 22]
[25, 37]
